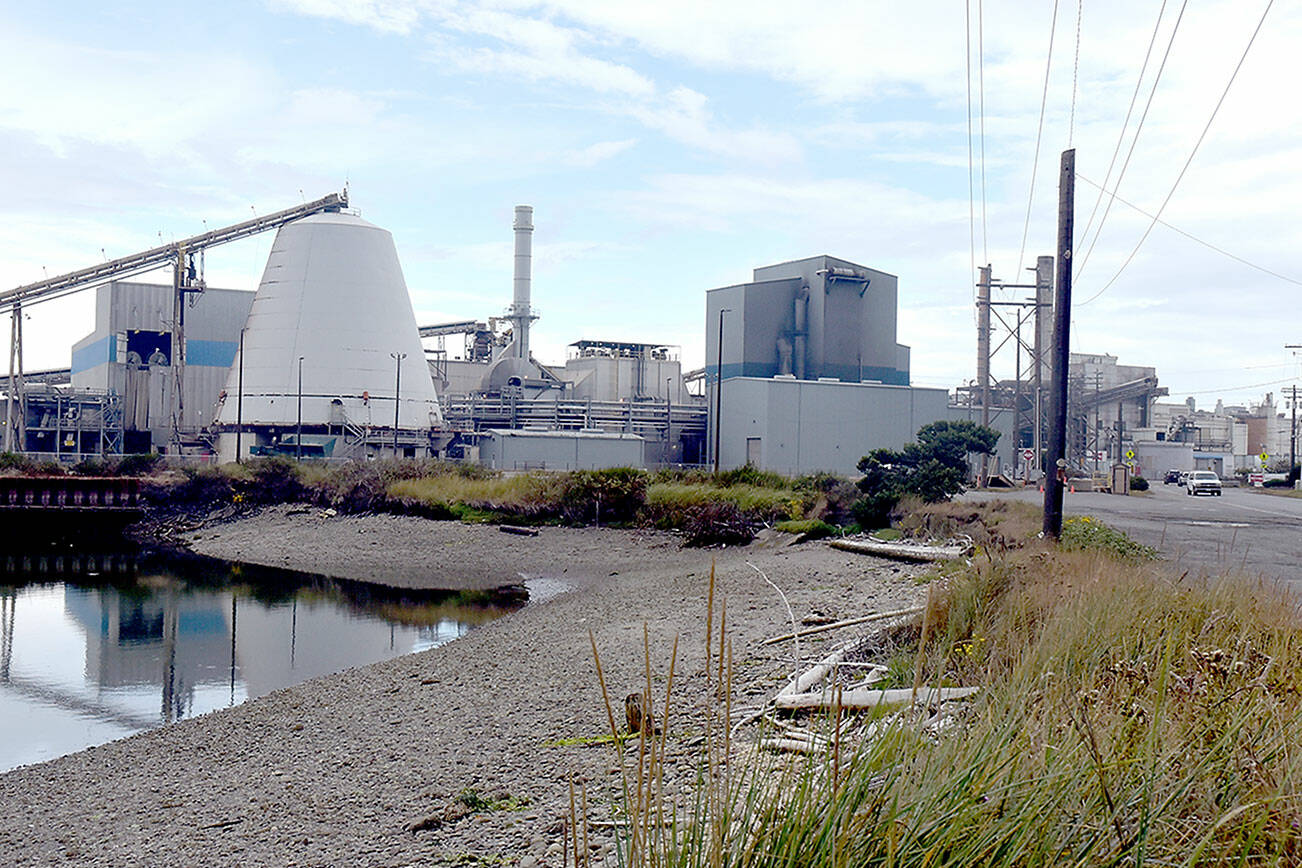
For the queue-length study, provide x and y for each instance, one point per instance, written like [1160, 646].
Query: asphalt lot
[1244, 530]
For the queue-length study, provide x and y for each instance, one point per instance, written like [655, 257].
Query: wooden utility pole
[1292, 434]
[1057, 463]
[983, 357]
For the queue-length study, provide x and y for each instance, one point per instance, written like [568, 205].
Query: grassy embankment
[727, 507]
[1127, 716]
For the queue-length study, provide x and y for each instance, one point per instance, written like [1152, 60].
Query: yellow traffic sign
[1130, 453]
[1264, 457]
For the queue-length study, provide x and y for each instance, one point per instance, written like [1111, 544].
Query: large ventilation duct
[332, 295]
[802, 329]
[521, 315]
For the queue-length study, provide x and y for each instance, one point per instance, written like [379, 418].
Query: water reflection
[87, 656]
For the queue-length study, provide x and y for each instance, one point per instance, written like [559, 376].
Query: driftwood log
[848, 622]
[517, 530]
[870, 698]
[901, 551]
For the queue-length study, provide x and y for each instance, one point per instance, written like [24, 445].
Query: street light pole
[669, 422]
[239, 402]
[718, 389]
[397, 384]
[298, 433]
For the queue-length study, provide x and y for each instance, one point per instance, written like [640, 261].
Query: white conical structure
[332, 295]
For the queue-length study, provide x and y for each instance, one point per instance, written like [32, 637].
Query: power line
[971, 190]
[1121, 136]
[1196, 239]
[1075, 68]
[1098, 230]
[1192, 153]
[1224, 389]
[981, 91]
[1030, 197]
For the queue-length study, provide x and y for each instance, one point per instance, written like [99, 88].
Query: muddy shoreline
[335, 771]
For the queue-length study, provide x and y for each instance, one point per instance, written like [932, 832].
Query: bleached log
[816, 673]
[899, 551]
[791, 745]
[868, 698]
[848, 622]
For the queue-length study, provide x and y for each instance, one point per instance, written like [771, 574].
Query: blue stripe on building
[216, 354]
[93, 355]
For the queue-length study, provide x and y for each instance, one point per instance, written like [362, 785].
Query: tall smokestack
[521, 314]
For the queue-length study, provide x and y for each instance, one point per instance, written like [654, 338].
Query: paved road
[1243, 530]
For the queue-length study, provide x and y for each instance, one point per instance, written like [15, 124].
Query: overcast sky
[671, 147]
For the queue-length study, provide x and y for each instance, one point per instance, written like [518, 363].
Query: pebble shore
[338, 770]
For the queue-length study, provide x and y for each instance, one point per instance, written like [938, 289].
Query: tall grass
[668, 498]
[1125, 717]
[525, 495]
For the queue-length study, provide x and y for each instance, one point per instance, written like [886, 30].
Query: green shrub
[202, 486]
[1138, 483]
[273, 480]
[139, 465]
[363, 486]
[717, 522]
[807, 528]
[748, 474]
[834, 496]
[532, 495]
[873, 510]
[1277, 483]
[1086, 533]
[613, 495]
[93, 467]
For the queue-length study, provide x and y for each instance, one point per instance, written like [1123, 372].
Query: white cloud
[60, 94]
[684, 116]
[395, 16]
[599, 152]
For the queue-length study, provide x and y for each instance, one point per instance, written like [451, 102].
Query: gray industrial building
[797, 426]
[813, 378]
[129, 354]
[813, 318]
[523, 449]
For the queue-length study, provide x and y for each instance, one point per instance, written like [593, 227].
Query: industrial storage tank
[330, 336]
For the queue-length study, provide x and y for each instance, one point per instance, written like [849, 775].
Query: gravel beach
[337, 770]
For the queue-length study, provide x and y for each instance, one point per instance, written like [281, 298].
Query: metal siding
[879, 323]
[807, 426]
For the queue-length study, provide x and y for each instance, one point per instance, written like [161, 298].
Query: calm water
[97, 647]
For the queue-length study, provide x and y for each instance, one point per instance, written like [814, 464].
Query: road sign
[1028, 454]
[1130, 453]
[1264, 457]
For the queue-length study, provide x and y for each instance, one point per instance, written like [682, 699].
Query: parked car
[1203, 482]
[1171, 476]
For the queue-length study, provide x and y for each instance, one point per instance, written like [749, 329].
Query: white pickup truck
[1203, 482]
